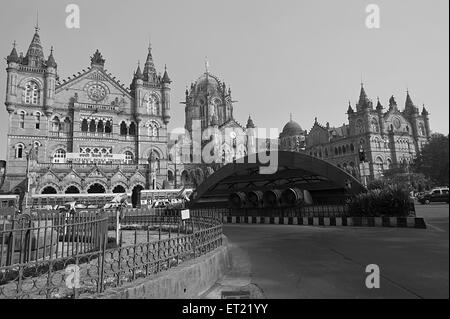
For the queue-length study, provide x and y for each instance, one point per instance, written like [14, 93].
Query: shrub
[390, 201]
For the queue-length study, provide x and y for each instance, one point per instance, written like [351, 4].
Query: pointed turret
[250, 123]
[149, 68]
[138, 75]
[409, 105]
[408, 102]
[379, 106]
[424, 111]
[35, 53]
[350, 109]
[13, 56]
[51, 63]
[364, 101]
[165, 78]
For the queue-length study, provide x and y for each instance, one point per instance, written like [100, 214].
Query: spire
[138, 73]
[36, 28]
[165, 78]
[379, 106]
[51, 60]
[424, 111]
[35, 53]
[350, 109]
[250, 123]
[408, 102]
[206, 65]
[13, 56]
[363, 100]
[149, 68]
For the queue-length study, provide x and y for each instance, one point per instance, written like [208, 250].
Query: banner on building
[95, 157]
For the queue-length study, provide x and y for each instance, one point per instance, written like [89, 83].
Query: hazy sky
[299, 56]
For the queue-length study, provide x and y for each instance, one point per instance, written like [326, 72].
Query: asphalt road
[286, 261]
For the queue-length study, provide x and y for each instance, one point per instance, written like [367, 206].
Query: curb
[400, 222]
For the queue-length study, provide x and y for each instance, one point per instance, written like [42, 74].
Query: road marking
[436, 228]
[382, 276]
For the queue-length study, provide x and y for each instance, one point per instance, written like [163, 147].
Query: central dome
[207, 80]
[292, 128]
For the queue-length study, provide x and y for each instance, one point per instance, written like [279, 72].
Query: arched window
[421, 129]
[119, 189]
[152, 105]
[19, 150]
[352, 148]
[72, 190]
[132, 130]
[359, 127]
[378, 166]
[170, 176]
[129, 157]
[153, 129]
[92, 126]
[49, 190]
[56, 124]
[336, 152]
[100, 127]
[123, 128]
[84, 125]
[59, 156]
[31, 93]
[326, 152]
[374, 125]
[108, 127]
[22, 119]
[37, 119]
[67, 125]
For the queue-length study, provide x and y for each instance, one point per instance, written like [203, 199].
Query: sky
[305, 57]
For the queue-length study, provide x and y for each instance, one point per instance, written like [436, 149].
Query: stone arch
[96, 187]
[49, 188]
[119, 188]
[72, 189]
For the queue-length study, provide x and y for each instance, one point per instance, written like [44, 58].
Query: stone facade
[388, 138]
[89, 113]
[209, 104]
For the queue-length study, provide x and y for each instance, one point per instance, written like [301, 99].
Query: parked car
[438, 194]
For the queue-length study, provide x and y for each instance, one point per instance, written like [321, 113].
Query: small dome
[292, 128]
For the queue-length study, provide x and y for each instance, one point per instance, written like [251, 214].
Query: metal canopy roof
[294, 170]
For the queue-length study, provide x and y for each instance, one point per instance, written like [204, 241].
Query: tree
[433, 160]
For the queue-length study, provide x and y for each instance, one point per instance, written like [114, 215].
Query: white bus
[56, 201]
[9, 204]
[173, 196]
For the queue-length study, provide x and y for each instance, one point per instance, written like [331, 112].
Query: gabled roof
[230, 122]
[84, 73]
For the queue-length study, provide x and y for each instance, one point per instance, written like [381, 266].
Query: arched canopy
[293, 170]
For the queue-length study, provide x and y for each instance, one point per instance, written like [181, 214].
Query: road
[286, 261]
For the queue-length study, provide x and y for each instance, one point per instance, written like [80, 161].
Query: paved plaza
[281, 261]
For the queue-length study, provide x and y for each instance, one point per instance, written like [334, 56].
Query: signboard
[95, 157]
[364, 169]
[185, 214]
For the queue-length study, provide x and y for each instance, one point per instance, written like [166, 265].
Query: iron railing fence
[106, 267]
[325, 210]
[48, 235]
